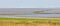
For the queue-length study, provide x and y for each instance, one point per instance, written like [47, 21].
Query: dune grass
[29, 21]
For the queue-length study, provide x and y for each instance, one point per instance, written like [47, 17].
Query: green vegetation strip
[6, 18]
[20, 19]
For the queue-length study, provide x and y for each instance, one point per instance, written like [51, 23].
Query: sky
[29, 3]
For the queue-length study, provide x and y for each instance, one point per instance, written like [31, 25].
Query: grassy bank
[5, 21]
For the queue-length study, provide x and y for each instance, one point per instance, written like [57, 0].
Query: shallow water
[26, 11]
